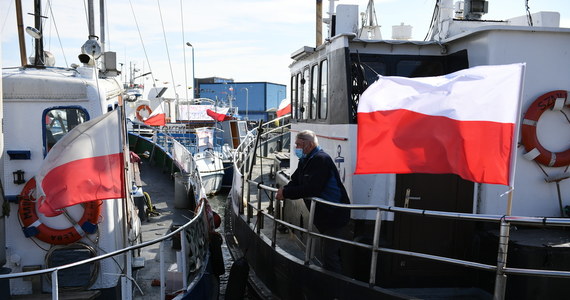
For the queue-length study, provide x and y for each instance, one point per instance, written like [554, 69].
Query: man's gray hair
[308, 135]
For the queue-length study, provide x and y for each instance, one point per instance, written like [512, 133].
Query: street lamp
[193, 78]
[246, 102]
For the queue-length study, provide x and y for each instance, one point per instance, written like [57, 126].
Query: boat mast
[20, 22]
[39, 45]
[319, 25]
[102, 33]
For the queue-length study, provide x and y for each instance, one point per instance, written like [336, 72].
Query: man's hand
[279, 194]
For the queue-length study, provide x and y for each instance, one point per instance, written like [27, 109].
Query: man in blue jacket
[317, 176]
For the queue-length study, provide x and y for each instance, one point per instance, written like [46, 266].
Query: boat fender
[237, 280]
[33, 227]
[554, 100]
[143, 107]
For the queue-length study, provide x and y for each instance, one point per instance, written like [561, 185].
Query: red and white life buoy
[554, 100]
[33, 227]
[143, 107]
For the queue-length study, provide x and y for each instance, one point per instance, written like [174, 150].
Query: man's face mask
[299, 144]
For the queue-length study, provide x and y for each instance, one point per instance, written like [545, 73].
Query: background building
[253, 99]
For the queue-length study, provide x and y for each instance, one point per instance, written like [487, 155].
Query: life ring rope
[32, 226]
[554, 100]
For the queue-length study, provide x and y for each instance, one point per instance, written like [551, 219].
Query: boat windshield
[59, 121]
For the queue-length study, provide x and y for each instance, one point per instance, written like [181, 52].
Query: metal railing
[198, 221]
[185, 162]
[244, 163]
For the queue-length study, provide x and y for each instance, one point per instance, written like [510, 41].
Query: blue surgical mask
[299, 153]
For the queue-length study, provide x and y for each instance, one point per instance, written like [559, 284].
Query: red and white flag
[157, 117]
[284, 107]
[85, 165]
[461, 123]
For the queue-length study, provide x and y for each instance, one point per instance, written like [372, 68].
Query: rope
[57, 33]
[167, 52]
[142, 43]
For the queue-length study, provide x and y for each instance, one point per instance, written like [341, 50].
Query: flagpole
[504, 232]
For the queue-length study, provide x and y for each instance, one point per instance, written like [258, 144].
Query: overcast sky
[247, 40]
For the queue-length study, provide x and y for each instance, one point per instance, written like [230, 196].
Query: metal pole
[259, 219]
[126, 280]
[275, 224]
[375, 245]
[102, 33]
[501, 276]
[193, 77]
[183, 262]
[54, 286]
[310, 230]
[39, 49]
[91, 18]
[162, 271]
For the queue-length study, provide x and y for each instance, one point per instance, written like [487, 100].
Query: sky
[246, 40]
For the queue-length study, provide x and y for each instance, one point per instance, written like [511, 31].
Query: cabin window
[299, 96]
[58, 121]
[419, 68]
[293, 96]
[304, 109]
[324, 82]
[314, 90]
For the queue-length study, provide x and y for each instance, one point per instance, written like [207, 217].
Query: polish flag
[85, 165]
[461, 123]
[284, 107]
[217, 116]
[157, 117]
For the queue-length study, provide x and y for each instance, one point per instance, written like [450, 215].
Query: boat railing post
[243, 177]
[247, 191]
[125, 280]
[162, 271]
[248, 198]
[54, 286]
[375, 245]
[270, 209]
[259, 219]
[183, 245]
[276, 216]
[308, 250]
[501, 277]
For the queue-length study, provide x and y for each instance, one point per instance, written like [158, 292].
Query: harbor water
[218, 202]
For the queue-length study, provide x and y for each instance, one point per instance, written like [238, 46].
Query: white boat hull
[211, 168]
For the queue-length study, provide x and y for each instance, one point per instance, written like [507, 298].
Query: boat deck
[160, 186]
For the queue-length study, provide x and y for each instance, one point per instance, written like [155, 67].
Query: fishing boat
[76, 204]
[418, 235]
[205, 127]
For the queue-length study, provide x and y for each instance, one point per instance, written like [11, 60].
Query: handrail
[438, 214]
[55, 270]
[106, 255]
[244, 159]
